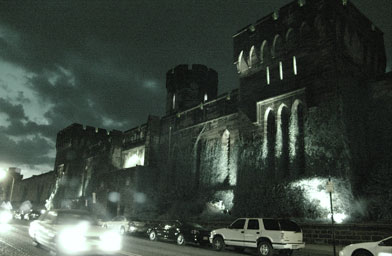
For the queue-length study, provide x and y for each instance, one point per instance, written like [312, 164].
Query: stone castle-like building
[313, 101]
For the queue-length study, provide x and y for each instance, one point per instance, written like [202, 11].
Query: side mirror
[381, 243]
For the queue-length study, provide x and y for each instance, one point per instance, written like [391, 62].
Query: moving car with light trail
[266, 235]
[119, 223]
[181, 232]
[73, 232]
[5, 215]
[380, 248]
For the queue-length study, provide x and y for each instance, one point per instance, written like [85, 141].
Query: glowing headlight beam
[110, 241]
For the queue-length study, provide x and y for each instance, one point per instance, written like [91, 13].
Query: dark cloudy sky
[103, 63]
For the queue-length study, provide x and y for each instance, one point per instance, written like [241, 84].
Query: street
[15, 241]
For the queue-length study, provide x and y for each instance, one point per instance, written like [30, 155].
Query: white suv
[263, 234]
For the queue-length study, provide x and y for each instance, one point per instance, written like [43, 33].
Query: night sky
[103, 63]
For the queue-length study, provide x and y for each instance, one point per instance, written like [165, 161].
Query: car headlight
[110, 241]
[132, 228]
[72, 240]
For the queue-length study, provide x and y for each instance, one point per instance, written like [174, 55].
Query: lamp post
[3, 175]
[329, 188]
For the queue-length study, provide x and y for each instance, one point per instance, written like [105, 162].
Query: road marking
[129, 253]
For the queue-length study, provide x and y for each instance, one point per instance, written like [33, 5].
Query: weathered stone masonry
[308, 77]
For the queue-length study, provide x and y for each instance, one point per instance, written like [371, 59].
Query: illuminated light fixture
[132, 161]
[344, 2]
[281, 70]
[205, 97]
[301, 3]
[295, 65]
[268, 75]
[174, 101]
[275, 15]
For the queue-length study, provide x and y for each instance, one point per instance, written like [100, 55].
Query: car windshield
[194, 225]
[71, 218]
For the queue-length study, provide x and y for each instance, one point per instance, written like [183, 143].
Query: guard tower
[188, 88]
[323, 46]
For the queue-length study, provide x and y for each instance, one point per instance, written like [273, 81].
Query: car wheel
[264, 248]
[362, 253]
[35, 243]
[152, 236]
[180, 239]
[122, 231]
[218, 244]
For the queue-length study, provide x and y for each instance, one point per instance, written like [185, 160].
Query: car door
[384, 248]
[234, 234]
[252, 232]
[272, 230]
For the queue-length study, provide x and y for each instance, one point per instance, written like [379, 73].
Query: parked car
[73, 232]
[380, 248]
[180, 231]
[32, 215]
[264, 234]
[119, 223]
[18, 215]
[140, 227]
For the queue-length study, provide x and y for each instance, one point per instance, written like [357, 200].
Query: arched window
[305, 35]
[241, 63]
[295, 65]
[297, 138]
[271, 140]
[282, 140]
[281, 70]
[277, 48]
[291, 40]
[253, 60]
[265, 53]
[267, 74]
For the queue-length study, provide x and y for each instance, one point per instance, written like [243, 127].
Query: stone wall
[35, 189]
[345, 233]
[322, 233]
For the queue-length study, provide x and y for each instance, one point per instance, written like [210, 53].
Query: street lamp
[3, 175]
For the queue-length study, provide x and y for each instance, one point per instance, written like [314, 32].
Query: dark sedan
[180, 231]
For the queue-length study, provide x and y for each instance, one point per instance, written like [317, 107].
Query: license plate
[205, 237]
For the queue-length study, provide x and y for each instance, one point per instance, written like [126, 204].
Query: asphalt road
[15, 241]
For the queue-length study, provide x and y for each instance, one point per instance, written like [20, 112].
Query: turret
[187, 88]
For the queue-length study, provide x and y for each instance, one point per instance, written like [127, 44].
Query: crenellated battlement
[187, 87]
[78, 132]
[302, 28]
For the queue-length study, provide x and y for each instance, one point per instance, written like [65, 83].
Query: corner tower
[187, 88]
